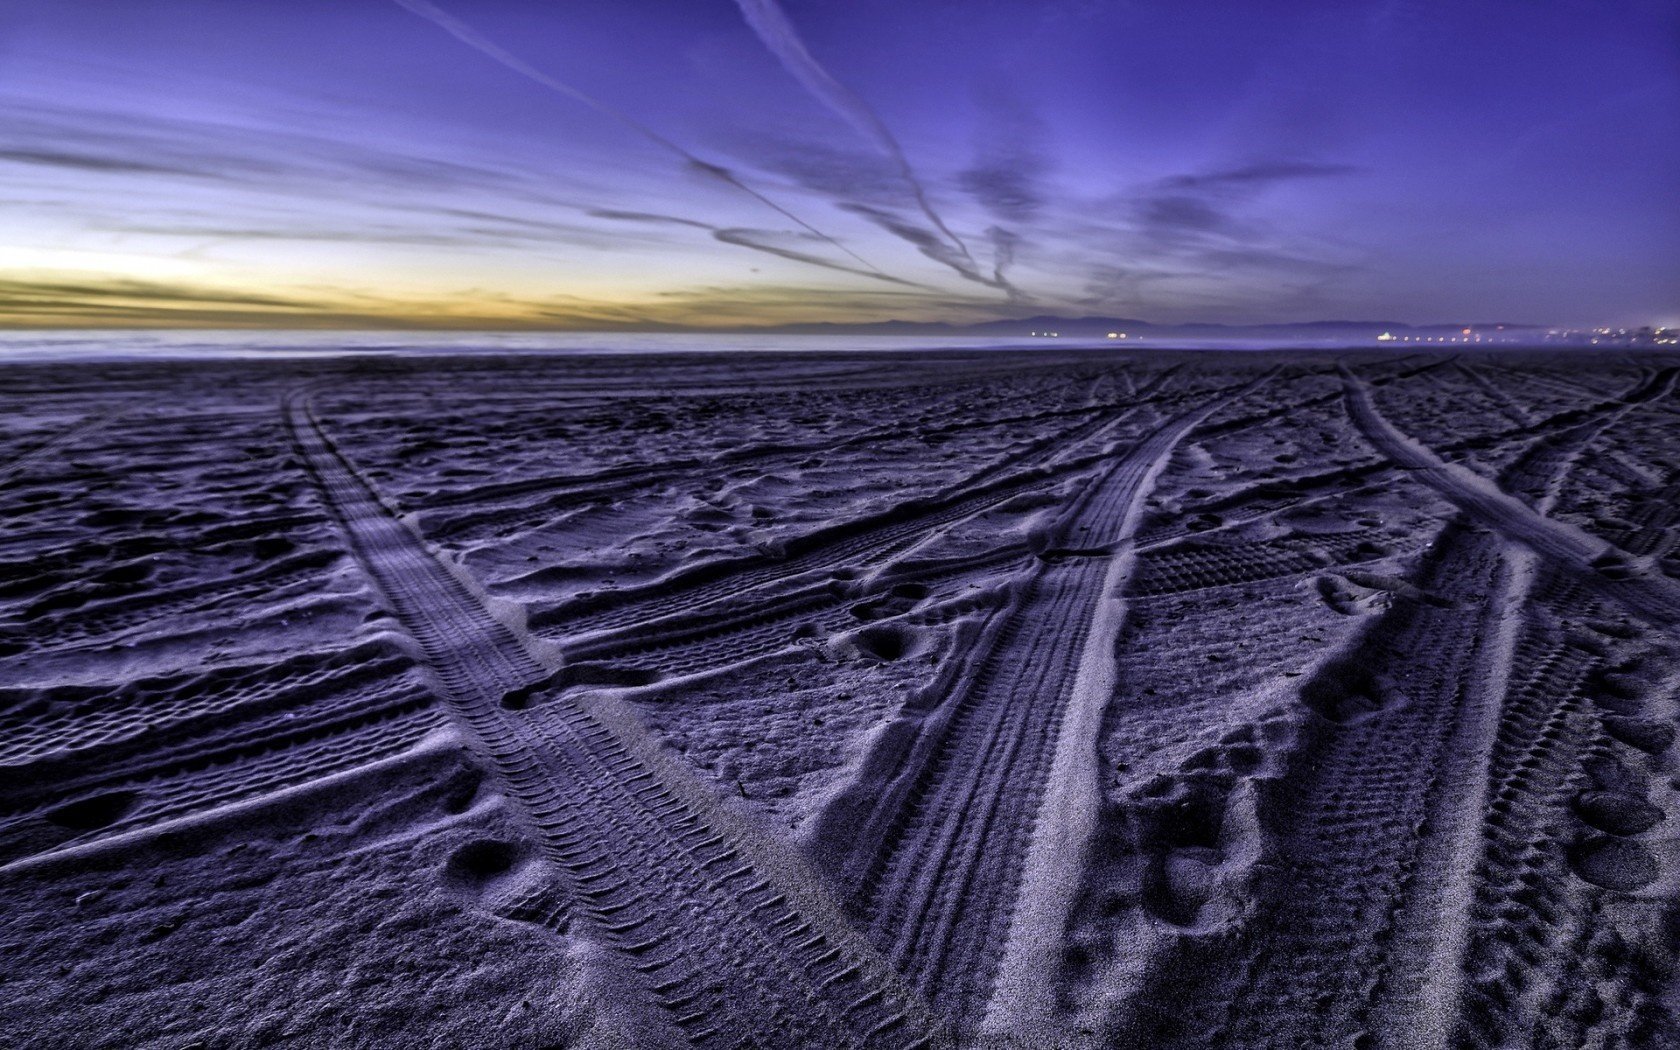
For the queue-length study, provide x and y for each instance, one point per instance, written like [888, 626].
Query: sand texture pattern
[951, 699]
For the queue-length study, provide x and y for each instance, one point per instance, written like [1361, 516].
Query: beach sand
[958, 698]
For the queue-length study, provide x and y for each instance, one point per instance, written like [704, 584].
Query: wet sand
[967, 698]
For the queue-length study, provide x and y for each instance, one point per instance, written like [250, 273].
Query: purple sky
[570, 163]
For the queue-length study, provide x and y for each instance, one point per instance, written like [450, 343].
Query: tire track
[1345, 826]
[725, 932]
[86, 425]
[1376, 826]
[1594, 561]
[872, 537]
[931, 838]
[885, 540]
[617, 480]
[1560, 785]
[760, 607]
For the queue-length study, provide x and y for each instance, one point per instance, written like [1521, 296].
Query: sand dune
[968, 698]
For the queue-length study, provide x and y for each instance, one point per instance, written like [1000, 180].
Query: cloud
[836, 172]
[862, 185]
[131, 303]
[1188, 244]
[777, 32]
[128, 302]
[753, 240]
[761, 241]
[1260, 174]
[478, 42]
[1007, 176]
[1203, 211]
[132, 143]
[15, 291]
[1004, 245]
[752, 306]
[930, 245]
[1176, 214]
[1007, 191]
[90, 162]
[644, 216]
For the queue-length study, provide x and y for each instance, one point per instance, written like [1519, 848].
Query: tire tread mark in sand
[874, 535]
[628, 478]
[1654, 597]
[763, 629]
[1344, 822]
[1189, 565]
[1550, 731]
[930, 838]
[1508, 406]
[729, 939]
[40, 763]
[1288, 489]
[875, 538]
[1364, 915]
[194, 785]
[103, 622]
[618, 483]
[87, 424]
[668, 643]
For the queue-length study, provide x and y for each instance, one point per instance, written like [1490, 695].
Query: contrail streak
[750, 239]
[478, 42]
[773, 27]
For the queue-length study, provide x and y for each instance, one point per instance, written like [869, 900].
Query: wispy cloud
[15, 292]
[1209, 210]
[1012, 158]
[940, 243]
[864, 185]
[90, 162]
[1259, 174]
[765, 241]
[476, 40]
[776, 30]
[131, 303]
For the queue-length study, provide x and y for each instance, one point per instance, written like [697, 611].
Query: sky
[579, 164]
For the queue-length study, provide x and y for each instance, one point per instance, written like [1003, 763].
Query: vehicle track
[874, 536]
[727, 936]
[1560, 783]
[614, 480]
[102, 622]
[461, 513]
[877, 540]
[872, 539]
[149, 714]
[189, 780]
[931, 838]
[755, 623]
[87, 424]
[1652, 596]
[1348, 828]
[1191, 565]
[1376, 825]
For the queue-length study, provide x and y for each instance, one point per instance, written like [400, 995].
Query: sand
[953, 699]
